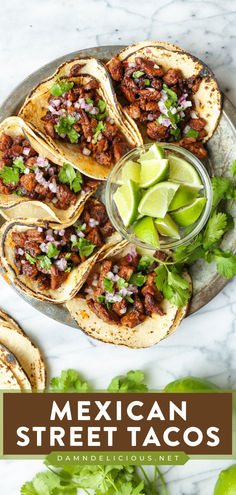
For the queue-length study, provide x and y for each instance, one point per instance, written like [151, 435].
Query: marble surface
[32, 34]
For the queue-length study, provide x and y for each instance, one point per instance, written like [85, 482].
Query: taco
[32, 182]
[76, 112]
[170, 94]
[49, 261]
[120, 303]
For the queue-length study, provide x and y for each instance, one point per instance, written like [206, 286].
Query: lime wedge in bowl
[127, 198]
[131, 171]
[182, 171]
[153, 171]
[182, 197]
[166, 226]
[155, 152]
[157, 199]
[187, 215]
[146, 230]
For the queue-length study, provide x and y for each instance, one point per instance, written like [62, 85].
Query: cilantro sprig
[65, 126]
[12, 174]
[68, 175]
[61, 87]
[85, 247]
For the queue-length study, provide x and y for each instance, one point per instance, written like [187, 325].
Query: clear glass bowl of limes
[159, 196]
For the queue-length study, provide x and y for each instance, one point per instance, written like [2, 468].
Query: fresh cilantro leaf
[216, 227]
[176, 289]
[100, 128]
[52, 250]
[220, 186]
[88, 100]
[129, 489]
[108, 285]
[85, 247]
[100, 299]
[225, 262]
[147, 82]
[45, 262]
[79, 226]
[192, 133]
[65, 126]
[69, 381]
[170, 93]
[68, 269]
[233, 168]
[121, 283]
[60, 88]
[131, 382]
[18, 164]
[28, 489]
[129, 299]
[18, 192]
[145, 262]
[30, 258]
[161, 275]
[68, 175]
[138, 279]
[9, 174]
[183, 253]
[67, 256]
[102, 106]
[137, 74]
[175, 133]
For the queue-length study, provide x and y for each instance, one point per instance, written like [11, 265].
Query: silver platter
[222, 151]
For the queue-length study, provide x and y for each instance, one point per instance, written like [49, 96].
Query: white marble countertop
[32, 34]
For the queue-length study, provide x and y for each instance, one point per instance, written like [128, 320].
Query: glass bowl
[186, 233]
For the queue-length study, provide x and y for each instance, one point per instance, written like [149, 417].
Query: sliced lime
[157, 199]
[127, 198]
[226, 483]
[131, 171]
[182, 197]
[190, 384]
[153, 171]
[189, 214]
[155, 152]
[167, 226]
[145, 230]
[182, 171]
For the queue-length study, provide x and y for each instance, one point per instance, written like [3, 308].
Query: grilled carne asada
[79, 115]
[162, 101]
[48, 255]
[122, 292]
[26, 173]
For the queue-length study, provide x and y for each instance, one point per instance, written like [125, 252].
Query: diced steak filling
[123, 292]
[26, 173]
[80, 115]
[48, 255]
[162, 101]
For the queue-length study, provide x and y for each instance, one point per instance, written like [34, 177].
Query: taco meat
[48, 255]
[79, 115]
[123, 292]
[26, 173]
[161, 101]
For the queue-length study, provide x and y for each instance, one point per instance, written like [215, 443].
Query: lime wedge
[155, 152]
[153, 171]
[127, 198]
[182, 197]
[189, 214]
[167, 226]
[157, 199]
[145, 230]
[131, 171]
[182, 171]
